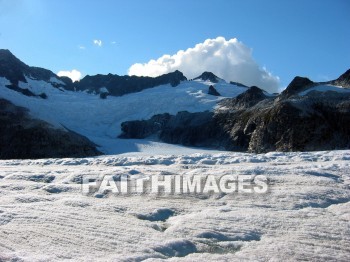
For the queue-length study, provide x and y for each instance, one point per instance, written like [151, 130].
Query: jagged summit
[205, 76]
[298, 84]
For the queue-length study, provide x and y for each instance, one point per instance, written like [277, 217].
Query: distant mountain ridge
[111, 84]
[121, 85]
[15, 71]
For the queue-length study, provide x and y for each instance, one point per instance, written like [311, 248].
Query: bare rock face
[190, 129]
[23, 137]
[302, 125]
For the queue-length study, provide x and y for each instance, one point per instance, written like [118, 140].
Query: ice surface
[304, 216]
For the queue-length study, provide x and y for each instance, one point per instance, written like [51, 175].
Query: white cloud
[228, 59]
[75, 75]
[97, 42]
[81, 47]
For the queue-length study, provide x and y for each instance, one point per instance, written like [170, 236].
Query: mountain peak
[8, 57]
[252, 94]
[11, 67]
[4, 53]
[208, 76]
[298, 84]
[247, 99]
[15, 70]
[343, 80]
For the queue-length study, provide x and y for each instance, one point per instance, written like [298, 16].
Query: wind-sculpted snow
[305, 214]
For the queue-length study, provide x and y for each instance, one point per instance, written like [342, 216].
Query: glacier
[305, 215]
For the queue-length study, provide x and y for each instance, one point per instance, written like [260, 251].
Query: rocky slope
[15, 71]
[23, 137]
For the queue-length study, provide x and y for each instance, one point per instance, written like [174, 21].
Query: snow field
[304, 216]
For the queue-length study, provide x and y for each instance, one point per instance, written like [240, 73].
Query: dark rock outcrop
[23, 137]
[245, 100]
[122, 85]
[208, 76]
[190, 129]
[300, 126]
[212, 91]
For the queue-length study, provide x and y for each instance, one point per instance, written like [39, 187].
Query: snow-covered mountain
[97, 106]
[53, 100]
[306, 116]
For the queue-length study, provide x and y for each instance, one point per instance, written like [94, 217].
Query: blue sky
[289, 38]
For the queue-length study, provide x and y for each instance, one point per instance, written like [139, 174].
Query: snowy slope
[100, 119]
[304, 216]
[325, 88]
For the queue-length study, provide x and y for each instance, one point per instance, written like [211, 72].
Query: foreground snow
[304, 216]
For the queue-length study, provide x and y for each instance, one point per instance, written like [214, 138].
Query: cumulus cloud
[75, 75]
[97, 42]
[228, 59]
